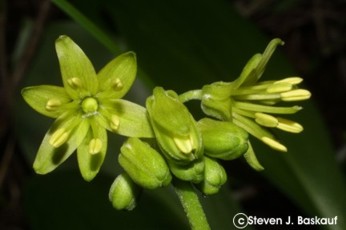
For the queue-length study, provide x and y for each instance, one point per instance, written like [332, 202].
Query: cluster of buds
[185, 148]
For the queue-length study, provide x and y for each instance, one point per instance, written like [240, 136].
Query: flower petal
[116, 78]
[91, 153]
[78, 74]
[46, 99]
[49, 157]
[125, 118]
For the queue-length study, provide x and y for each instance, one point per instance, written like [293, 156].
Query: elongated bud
[123, 193]
[174, 127]
[145, 165]
[223, 139]
[194, 171]
[214, 177]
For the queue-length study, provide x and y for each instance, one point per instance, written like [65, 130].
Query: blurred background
[180, 45]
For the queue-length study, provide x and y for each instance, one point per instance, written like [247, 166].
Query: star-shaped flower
[87, 106]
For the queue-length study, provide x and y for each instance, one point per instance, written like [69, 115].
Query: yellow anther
[296, 95]
[115, 122]
[289, 126]
[117, 84]
[185, 145]
[274, 144]
[75, 82]
[266, 120]
[95, 146]
[279, 87]
[291, 80]
[58, 138]
[53, 104]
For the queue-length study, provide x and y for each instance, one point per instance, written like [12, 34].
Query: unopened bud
[194, 171]
[174, 127]
[123, 193]
[144, 164]
[214, 177]
[223, 139]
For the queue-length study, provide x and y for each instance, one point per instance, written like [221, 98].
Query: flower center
[90, 105]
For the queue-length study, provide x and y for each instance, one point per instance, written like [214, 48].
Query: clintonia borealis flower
[87, 106]
[252, 104]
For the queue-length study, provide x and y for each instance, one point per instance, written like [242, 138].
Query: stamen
[53, 104]
[95, 146]
[296, 95]
[289, 126]
[117, 85]
[266, 120]
[291, 80]
[75, 82]
[115, 122]
[184, 144]
[58, 138]
[258, 97]
[274, 144]
[266, 108]
[279, 87]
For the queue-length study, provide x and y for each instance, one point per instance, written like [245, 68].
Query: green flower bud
[123, 193]
[194, 171]
[223, 139]
[214, 177]
[145, 165]
[174, 127]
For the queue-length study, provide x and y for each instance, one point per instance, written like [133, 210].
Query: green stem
[191, 95]
[191, 204]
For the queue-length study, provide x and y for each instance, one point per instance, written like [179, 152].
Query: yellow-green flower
[252, 104]
[87, 106]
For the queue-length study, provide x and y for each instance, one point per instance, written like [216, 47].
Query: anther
[115, 122]
[95, 146]
[274, 144]
[185, 145]
[75, 82]
[58, 138]
[117, 85]
[289, 126]
[53, 104]
[266, 120]
[296, 95]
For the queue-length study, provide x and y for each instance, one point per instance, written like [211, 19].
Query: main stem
[191, 204]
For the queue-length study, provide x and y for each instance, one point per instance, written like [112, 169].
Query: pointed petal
[78, 74]
[91, 153]
[49, 157]
[125, 118]
[251, 159]
[46, 99]
[116, 78]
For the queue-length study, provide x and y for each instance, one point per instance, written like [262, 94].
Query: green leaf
[78, 73]
[38, 97]
[117, 77]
